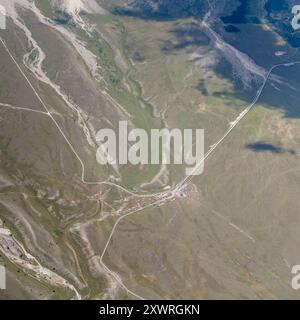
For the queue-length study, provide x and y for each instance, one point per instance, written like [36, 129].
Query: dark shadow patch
[138, 57]
[231, 28]
[202, 87]
[239, 15]
[261, 146]
[63, 18]
[162, 10]
[188, 35]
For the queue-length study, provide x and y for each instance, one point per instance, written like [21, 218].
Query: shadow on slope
[261, 146]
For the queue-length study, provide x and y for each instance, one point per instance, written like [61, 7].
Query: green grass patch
[45, 7]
